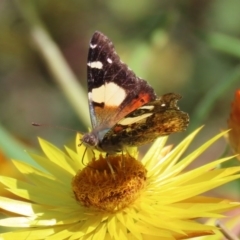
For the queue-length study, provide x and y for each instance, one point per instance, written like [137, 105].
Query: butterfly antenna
[54, 126]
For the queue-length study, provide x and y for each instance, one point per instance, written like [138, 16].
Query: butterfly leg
[93, 154]
[110, 166]
[123, 162]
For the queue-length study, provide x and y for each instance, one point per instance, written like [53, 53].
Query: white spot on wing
[130, 120]
[109, 60]
[163, 105]
[93, 45]
[109, 93]
[147, 107]
[90, 95]
[96, 64]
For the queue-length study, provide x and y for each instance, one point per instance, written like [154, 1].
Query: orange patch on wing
[105, 114]
[136, 103]
[110, 115]
[117, 129]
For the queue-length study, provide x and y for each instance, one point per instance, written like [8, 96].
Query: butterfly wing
[113, 89]
[157, 118]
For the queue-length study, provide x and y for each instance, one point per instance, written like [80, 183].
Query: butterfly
[124, 109]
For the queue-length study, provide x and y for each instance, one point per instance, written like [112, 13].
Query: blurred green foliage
[186, 46]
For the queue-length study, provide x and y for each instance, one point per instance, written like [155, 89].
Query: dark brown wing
[157, 118]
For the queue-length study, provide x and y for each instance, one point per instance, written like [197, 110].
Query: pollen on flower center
[95, 186]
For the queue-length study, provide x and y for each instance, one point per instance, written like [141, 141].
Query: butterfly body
[124, 109]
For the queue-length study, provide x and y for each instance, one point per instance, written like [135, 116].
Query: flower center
[96, 186]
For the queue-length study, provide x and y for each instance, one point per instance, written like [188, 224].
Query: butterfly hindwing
[157, 118]
[113, 89]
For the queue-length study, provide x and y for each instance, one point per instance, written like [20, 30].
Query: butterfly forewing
[113, 89]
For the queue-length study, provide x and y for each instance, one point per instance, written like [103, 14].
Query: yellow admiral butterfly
[124, 109]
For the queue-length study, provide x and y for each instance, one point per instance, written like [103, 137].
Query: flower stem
[54, 59]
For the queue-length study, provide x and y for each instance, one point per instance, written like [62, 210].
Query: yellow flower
[156, 198]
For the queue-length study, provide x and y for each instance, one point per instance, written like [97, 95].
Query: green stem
[54, 59]
[204, 107]
[13, 149]
[224, 43]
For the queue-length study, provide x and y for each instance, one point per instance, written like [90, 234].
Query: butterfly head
[90, 140]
